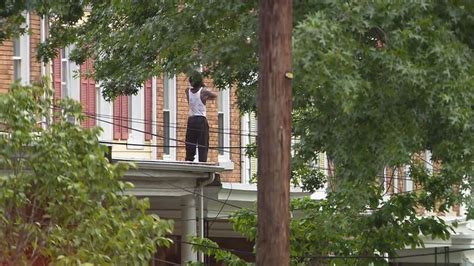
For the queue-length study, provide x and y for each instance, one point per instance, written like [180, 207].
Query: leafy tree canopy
[376, 83]
[61, 201]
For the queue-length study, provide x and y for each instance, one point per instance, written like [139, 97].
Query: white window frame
[170, 84]
[428, 162]
[223, 102]
[104, 111]
[245, 140]
[65, 77]
[407, 179]
[136, 116]
[73, 81]
[386, 185]
[24, 56]
[395, 181]
[43, 40]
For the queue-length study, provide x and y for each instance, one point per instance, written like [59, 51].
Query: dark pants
[197, 133]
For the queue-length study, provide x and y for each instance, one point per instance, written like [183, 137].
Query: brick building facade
[18, 56]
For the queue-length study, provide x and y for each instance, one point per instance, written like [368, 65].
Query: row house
[457, 250]
[149, 130]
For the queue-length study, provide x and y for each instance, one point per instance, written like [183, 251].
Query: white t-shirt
[196, 106]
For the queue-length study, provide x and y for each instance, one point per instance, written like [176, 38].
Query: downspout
[204, 183]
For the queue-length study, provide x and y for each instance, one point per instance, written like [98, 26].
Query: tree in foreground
[61, 201]
[367, 106]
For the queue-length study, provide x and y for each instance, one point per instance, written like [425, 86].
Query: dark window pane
[166, 132]
[220, 122]
[166, 93]
[16, 47]
[16, 69]
[64, 71]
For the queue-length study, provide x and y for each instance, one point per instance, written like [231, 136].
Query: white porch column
[188, 222]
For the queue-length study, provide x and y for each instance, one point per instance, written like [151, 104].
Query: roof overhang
[166, 178]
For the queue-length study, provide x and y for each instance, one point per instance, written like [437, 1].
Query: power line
[222, 207]
[220, 248]
[168, 146]
[166, 261]
[195, 192]
[156, 135]
[209, 147]
[227, 131]
[337, 256]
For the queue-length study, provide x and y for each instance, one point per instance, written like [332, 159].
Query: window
[220, 125]
[16, 59]
[135, 124]
[223, 125]
[21, 56]
[408, 182]
[223, 129]
[166, 117]
[70, 80]
[64, 72]
[169, 117]
[396, 181]
[248, 137]
[428, 162]
[104, 113]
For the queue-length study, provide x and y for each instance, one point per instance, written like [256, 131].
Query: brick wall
[182, 115]
[6, 57]
[212, 110]
[6, 65]
[182, 85]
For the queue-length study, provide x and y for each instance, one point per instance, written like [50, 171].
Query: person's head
[195, 79]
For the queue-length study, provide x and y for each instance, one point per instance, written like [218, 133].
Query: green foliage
[367, 107]
[132, 42]
[318, 229]
[65, 17]
[211, 248]
[60, 199]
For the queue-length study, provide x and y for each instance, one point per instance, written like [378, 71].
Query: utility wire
[156, 135]
[222, 207]
[338, 256]
[227, 131]
[167, 146]
[195, 192]
[166, 261]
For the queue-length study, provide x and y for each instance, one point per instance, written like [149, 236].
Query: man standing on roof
[197, 132]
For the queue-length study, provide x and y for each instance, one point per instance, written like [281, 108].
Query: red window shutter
[57, 76]
[117, 121]
[148, 109]
[88, 99]
[83, 92]
[124, 117]
[91, 96]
